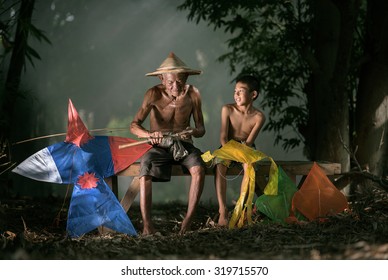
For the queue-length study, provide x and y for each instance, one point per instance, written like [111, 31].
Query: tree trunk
[328, 97]
[372, 96]
[16, 65]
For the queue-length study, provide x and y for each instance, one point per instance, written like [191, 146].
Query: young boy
[242, 122]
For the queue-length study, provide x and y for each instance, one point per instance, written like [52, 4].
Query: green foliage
[31, 54]
[268, 38]
[8, 21]
[15, 29]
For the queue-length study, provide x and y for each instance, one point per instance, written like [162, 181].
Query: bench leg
[131, 194]
[260, 184]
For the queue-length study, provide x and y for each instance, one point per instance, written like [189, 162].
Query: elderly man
[170, 105]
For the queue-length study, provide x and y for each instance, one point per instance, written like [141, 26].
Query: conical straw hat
[173, 64]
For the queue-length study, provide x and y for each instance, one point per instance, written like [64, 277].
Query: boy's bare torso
[243, 124]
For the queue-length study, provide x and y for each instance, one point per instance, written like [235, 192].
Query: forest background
[323, 66]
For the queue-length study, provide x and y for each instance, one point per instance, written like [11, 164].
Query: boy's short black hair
[252, 82]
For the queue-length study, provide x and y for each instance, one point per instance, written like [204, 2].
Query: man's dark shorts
[157, 162]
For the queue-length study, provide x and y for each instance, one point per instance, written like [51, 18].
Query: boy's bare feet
[148, 230]
[223, 221]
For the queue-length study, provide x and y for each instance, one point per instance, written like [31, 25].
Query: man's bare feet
[185, 226]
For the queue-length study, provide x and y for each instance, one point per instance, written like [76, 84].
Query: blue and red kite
[84, 161]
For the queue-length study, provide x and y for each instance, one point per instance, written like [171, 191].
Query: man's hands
[156, 137]
[187, 133]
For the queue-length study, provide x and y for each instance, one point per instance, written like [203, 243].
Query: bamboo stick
[64, 133]
[178, 134]
[133, 144]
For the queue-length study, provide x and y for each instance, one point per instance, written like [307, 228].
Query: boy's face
[243, 95]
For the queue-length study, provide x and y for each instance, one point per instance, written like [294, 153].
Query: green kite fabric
[277, 207]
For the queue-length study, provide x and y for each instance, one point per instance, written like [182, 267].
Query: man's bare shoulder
[154, 93]
[192, 91]
[157, 89]
[193, 94]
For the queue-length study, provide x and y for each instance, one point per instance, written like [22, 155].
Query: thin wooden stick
[178, 134]
[64, 133]
[133, 144]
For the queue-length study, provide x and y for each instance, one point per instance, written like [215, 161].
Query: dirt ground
[35, 229]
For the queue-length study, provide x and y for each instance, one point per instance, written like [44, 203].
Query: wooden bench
[292, 168]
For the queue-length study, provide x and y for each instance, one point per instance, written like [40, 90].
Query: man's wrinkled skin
[170, 106]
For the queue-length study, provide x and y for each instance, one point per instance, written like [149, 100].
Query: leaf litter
[31, 228]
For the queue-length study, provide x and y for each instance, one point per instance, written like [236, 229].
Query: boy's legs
[220, 183]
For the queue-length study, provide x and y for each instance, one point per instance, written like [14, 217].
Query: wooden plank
[304, 167]
[292, 168]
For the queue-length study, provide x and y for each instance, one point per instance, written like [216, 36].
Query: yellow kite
[236, 151]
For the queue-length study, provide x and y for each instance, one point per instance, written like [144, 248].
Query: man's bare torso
[169, 113]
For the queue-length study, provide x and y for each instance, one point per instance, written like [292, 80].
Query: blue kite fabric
[84, 161]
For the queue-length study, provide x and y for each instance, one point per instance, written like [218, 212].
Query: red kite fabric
[77, 133]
